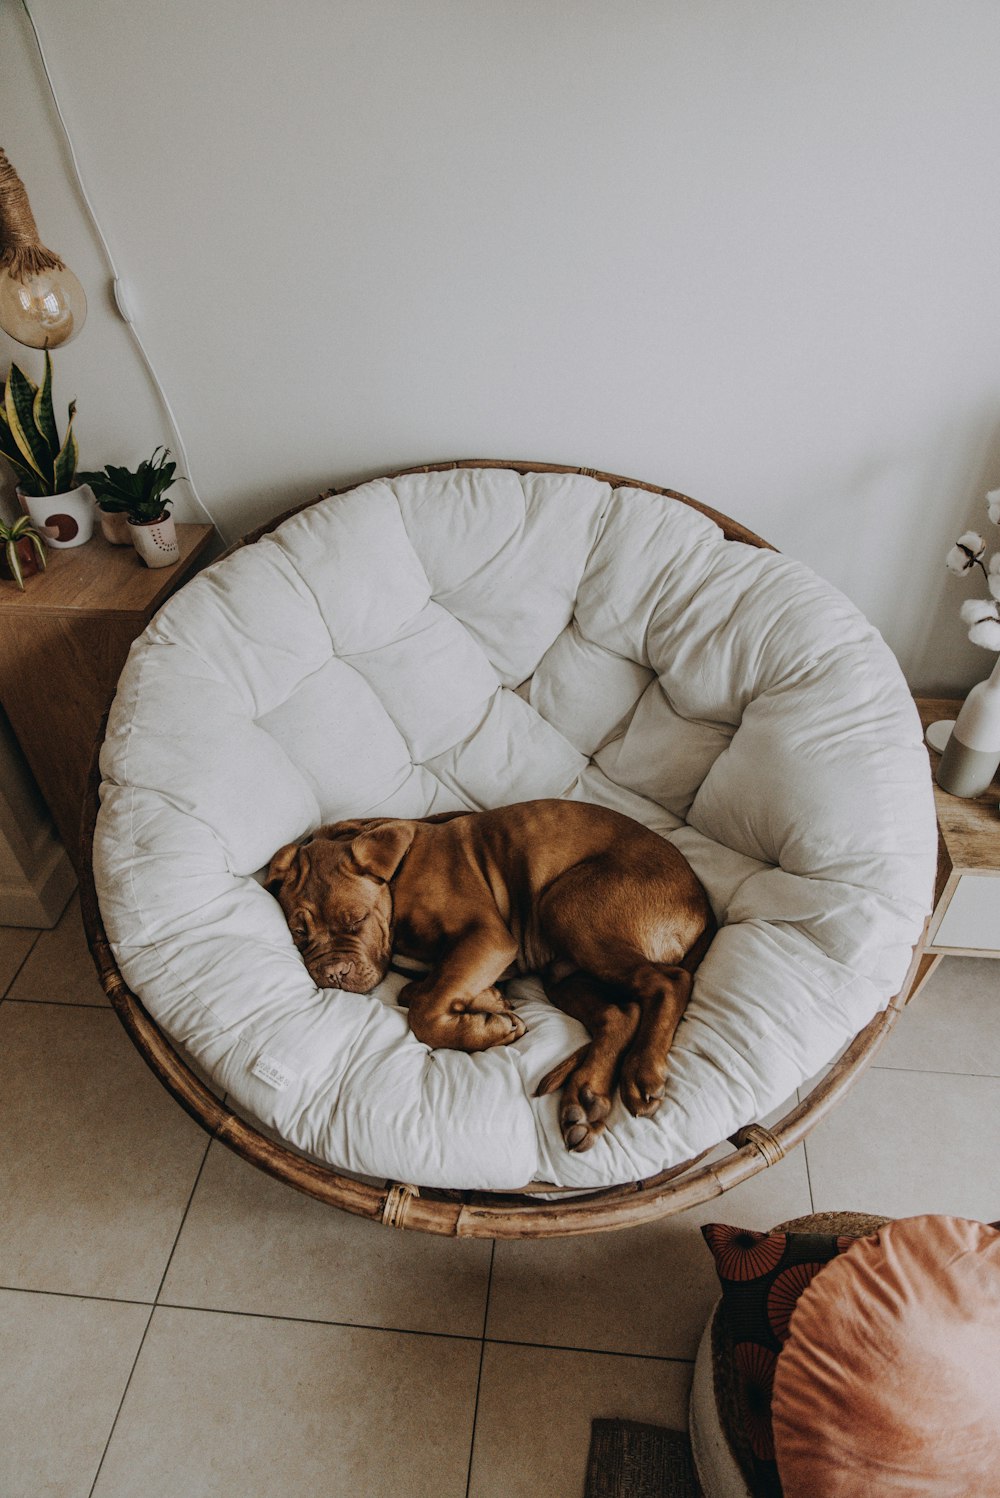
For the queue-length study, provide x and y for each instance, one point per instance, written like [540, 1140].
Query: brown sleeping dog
[609, 913]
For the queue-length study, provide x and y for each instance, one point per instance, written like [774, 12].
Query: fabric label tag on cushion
[272, 1072]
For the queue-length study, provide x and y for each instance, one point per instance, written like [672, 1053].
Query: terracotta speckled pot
[114, 527]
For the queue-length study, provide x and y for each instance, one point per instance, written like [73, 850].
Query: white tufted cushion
[470, 639]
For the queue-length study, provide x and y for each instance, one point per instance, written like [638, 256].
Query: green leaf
[124, 479]
[39, 549]
[26, 477]
[18, 404]
[14, 564]
[111, 499]
[64, 469]
[43, 414]
[16, 529]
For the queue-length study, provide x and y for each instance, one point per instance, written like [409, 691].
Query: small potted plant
[58, 500]
[140, 496]
[22, 551]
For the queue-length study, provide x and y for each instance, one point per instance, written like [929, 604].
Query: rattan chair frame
[537, 1210]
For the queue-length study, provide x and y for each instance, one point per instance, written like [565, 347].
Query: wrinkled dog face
[334, 891]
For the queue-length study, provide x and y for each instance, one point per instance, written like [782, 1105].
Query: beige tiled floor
[173, 1322]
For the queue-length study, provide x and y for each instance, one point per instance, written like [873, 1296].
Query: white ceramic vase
[62, 520]
[972, 753]
[156, 541]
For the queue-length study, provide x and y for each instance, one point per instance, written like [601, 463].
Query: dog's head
[336, 896]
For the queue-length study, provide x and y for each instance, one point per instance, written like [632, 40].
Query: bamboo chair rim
[537, 1210]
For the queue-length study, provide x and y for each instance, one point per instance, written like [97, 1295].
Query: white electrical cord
[119, 294]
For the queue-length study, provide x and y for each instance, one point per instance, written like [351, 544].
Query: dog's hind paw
[581, 1117]
[642, 1087]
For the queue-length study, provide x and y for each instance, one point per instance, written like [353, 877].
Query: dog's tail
[701, 946]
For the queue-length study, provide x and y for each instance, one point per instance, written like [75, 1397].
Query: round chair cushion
[889, 1382]
[471, 638]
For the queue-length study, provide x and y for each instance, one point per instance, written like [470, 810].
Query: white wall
[746, 251]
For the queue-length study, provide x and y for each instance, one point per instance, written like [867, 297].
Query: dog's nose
[335, 974]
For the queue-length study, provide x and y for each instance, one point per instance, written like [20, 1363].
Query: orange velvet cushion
[889, 1382]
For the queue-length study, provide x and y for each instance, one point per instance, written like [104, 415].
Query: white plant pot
[63, 520]
[156, 542]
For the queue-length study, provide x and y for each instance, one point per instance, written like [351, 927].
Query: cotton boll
[975, 609]
[986, 633]
[993, 505]
[965, 553]
[982, 615]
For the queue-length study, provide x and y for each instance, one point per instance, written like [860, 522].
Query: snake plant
[140, 493]
[20, 530]
[29, 438]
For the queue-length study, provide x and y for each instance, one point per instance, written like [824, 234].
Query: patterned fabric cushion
[761, 1276]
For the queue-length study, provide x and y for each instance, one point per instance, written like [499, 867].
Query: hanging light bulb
[42, 304]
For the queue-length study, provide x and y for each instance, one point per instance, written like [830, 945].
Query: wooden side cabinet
[966, 918]
[63, 643]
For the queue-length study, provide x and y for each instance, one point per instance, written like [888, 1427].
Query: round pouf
[890, 1380]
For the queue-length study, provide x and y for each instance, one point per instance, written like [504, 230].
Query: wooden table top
[98, 578]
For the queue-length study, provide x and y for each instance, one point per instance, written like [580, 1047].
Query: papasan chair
[467, 635]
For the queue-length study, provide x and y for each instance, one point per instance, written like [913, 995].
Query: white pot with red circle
[62, 519]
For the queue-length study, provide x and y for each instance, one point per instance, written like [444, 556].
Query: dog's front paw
[480, 1030]
[643, 1084]
[412, 991]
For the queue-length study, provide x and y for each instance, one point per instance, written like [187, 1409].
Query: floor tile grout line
[489, 1289]
[121, 1402]
[414, 1331]
[809, 1182]
[149, 1322]
[354, 1326]
[359, 1326]
[479, 1371]
[21, 965]
[60, 1003]
[929, 1071]
[595, 1352]
[184, 1218]
[101, 1300]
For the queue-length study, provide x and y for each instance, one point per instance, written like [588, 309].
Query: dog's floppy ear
[280, 867]
[379, 851]
[335, 832]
